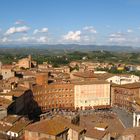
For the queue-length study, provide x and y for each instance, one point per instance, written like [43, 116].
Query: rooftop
[10, 119]
[128, 86]
[4, 102]
[89, 82]
[19, 126]
[102, 118]
[50, 126]
[94, 133]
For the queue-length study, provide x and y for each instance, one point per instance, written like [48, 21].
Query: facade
[121, 80]
[124, 95]
[6, 72]
[54, 96]
[91, 95]
[130, 134]
[26, 63]
[72, 95]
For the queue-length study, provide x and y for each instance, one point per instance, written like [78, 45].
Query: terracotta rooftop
[19, 126]
[94, 133]
[101, 125]
[4, 102]
[17, 92]
[69, 124]
[128, 86]
[51, 127]
[89, 82]
[10, 119]
[4, 127]
[114, 125]
[85, 74]
[7, 66]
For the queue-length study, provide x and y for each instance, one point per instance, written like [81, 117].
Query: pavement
[125, 117]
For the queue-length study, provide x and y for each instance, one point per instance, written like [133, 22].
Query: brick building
[54, 96]
[124, 95]
[72, 95]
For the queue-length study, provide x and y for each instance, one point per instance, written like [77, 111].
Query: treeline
[64, 57]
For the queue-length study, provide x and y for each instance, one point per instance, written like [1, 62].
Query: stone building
[26, 63]
[7, 72]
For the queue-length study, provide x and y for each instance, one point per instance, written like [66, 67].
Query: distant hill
[74, 47]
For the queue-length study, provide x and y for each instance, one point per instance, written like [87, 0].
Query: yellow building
[92, 94]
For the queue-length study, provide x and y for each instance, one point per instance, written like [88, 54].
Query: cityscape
[69, 70]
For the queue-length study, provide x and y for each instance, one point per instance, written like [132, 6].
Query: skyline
[114, 22]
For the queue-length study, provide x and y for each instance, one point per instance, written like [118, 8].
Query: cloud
[90, 29]
[14, 30]
[73, 36]
[129, 30]
[5, 40]
[25, 39]
[18, 22]
[43, 30]
[42, 39]
[118, 37]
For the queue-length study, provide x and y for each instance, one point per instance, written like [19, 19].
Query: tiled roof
[97, 134]
[51, 127]
[128, 86]
[19, 126]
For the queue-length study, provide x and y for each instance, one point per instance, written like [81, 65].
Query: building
[26, 63]
[54, 96]
[13, 126]
[124, 95]
[95, 134]
[7, 72]
[22, 102]
[130, 134]
[123, 79]
[17, 130]
[94, 94]
[71, 95]
[42, 78]
[4, 104]
[47, 129]
[101, 126]
[86, 76]
[58, 127]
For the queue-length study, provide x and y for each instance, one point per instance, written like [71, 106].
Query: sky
[100, 22]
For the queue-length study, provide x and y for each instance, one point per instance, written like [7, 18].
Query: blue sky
[70, 21]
